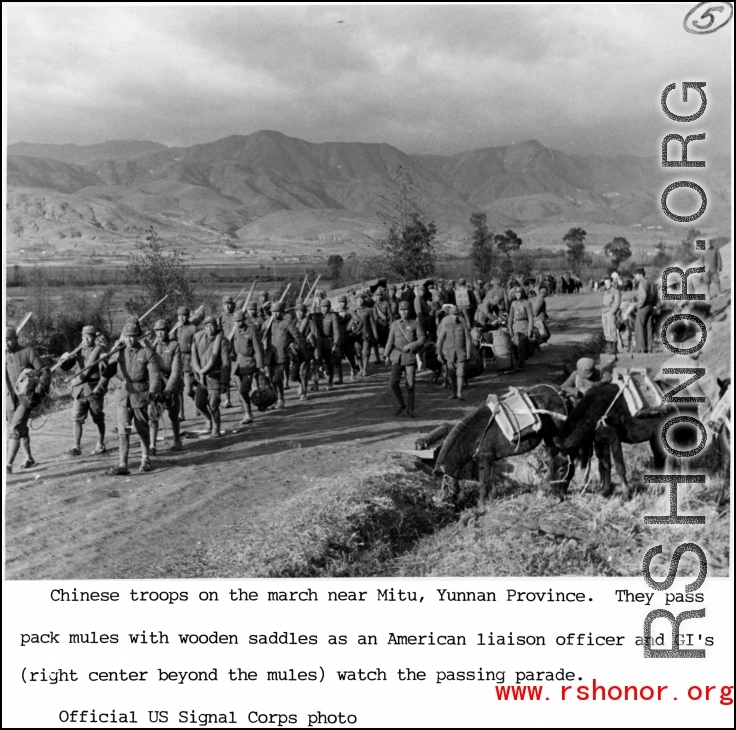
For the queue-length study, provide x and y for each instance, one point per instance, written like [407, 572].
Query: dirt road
[66, 519]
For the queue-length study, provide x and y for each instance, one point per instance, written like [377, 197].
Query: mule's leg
[617, 452]
[603, 452]
[659, 454]
[486, 480]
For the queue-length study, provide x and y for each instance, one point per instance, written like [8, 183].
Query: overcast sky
[583, 78]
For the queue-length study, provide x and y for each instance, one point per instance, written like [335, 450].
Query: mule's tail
[454, 438]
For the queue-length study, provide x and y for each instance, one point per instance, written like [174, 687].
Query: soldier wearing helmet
[521, 324]
[342, 346]
[303, 362]
[227, 325]
[454, 349]
[186, 328]
[136, 368]
[404, 340]
[276, 340]
[247, 356]
[18, 406]
[383, 316]
[253, 318]
[169, 359]
[324, 321]
[365, 331]
[211, 364]
[84, 400]
[264, 305]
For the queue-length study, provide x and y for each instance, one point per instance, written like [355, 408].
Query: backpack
[462, 297]
[264, 396]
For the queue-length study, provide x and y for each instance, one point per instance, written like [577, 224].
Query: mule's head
[562, 470]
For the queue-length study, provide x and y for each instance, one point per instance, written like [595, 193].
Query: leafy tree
[482, 252]
[618, 250]
[158, 272]
[407, 250]
[507, 242]
[574, 239]
[335, 264]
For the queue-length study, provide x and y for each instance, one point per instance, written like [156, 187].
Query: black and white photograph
[366, 291]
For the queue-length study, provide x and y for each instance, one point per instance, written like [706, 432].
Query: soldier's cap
[239, 315]
[451, 282]
[11, 332]
[161, 324]
[403, 305]
[298, 303]
[321, 293]
[131, 329]
[211, 319]
[301, 307]
[452, 309]
[227, 299]
[183, 310]
[461, 281]
[342, 298]
[277, 307]
[252, 305]
[88, 329]
[585, 367]
[263, 294]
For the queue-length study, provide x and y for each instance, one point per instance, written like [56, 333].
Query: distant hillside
[270, 186]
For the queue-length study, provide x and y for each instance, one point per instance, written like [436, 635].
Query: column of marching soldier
[261, 344]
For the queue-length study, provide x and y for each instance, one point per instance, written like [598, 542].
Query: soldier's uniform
[84, 399]
[539, 307]
[211, 351]
[18, 407]
[521, 325]
[253, 319]
[365, 332]
[583, 379]
[227, 326]
[276, 341]
[170, 364]
[137, 370]
[383, 316]
[324, 321]
[405, 334]
[185, 336]
[303, 362]
[247, 356]
[454, 347]
[465, 301]
[610, 309]
[342, 346]
[264, 305]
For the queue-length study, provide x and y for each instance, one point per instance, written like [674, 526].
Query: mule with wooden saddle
[511, 425]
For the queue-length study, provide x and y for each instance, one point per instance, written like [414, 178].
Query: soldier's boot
[338, 380]
[247, 413]
[227, 402]
[29, 461]
[460, 395]
[215, 433]
[279, 395]
[154, 435]
[410, 403]
[303, 386]
[454, 387]
[175, 430]
[399, 399]
[77, 450]
[375, 351]
[364, 372]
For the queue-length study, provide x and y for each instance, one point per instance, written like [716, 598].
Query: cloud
[424, 78]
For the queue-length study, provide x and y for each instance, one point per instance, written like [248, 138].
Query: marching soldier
[169, 359]
[342, 346]
[136, 367]
[187, 328]
[383, 316]
[521, 323]
[83, 386]
[18, 405]
[253, 318]
[325, 324]
[454, 349]
[319, 296]
[465, 301]
[247, 356]
[610, 312]
[264, 305]
[404, 340]
[227, 325]
[277, 339]
[313, 349]
[365, 332]
[540, 314]
[211, 364]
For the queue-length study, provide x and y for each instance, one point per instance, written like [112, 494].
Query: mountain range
[266, 188]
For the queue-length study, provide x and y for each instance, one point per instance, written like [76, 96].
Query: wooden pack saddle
[515, 413]
[640, 392]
